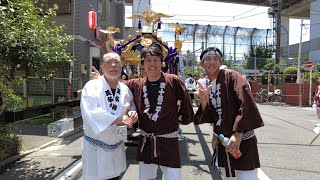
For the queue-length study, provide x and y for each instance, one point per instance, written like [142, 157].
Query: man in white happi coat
[191, 85]
[107, 110]
[203, 80]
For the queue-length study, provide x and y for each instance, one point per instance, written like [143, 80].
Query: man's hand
[94, 74]
[133, 115]
[235, 141]
[126, 120]
[214, 142]
[203, 93]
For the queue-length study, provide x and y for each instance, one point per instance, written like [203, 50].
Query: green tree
[315, 77]
[30, 40]
[260, 54]
[30, 43]
[228, 63]
[290, 74]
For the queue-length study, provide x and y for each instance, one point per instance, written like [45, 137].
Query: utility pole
[278, 31]
[299, 61]
[288, 46]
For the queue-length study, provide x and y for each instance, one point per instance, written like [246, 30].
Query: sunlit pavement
[283, 142]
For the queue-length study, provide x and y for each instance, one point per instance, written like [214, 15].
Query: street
[283, 147]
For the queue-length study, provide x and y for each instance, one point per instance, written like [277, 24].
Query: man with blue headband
[229, 106]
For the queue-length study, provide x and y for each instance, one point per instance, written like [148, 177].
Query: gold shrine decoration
[111, 30]
[179, 30]
[106, 47]
[131, 56]
[150, 16]
[178, 44]
[146, 42]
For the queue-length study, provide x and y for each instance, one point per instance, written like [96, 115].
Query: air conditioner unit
[83, 69]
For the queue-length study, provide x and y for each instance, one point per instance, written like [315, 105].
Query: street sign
[309, 64]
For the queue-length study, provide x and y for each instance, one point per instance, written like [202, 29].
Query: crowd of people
[160, 102]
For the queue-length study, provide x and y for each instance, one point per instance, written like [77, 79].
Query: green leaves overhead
[30, 38]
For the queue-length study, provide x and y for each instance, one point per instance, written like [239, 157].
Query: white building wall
[285, 39]
[314, 54]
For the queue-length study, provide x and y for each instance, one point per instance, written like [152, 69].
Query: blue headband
[210, 53]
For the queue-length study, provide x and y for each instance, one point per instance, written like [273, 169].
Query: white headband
[211, 52]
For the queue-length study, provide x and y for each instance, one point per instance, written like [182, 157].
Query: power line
[205, 15]
[262, 3]
[234, 19]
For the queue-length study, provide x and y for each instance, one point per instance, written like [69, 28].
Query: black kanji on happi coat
[108, 93]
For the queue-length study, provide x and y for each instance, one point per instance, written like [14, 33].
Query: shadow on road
[185, 155]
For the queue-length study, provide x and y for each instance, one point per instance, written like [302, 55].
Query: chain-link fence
[232, 41]
[35, 91]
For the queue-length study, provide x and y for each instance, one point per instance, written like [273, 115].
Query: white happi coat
[97, 123]
[190, 83]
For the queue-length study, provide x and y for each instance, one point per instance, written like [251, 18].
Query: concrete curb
[23, 154]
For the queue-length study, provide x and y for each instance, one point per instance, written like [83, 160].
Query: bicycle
[272, 97]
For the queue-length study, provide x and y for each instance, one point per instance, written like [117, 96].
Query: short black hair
[150, 51]
[211, 49]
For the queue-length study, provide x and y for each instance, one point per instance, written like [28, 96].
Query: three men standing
[163, 103]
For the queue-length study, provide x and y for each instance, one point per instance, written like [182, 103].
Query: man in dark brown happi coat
[228, 104]
[156, 98]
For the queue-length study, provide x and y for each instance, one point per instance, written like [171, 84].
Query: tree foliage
[315, 77]
[29, 39]
[290, 74]
[261, 54]
[30, 42]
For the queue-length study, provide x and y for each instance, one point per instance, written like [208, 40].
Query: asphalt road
[283, 142]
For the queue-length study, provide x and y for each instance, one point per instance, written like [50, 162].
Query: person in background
[203, 80]
[107, 110]
[191, 85]
[316, 102]
[228, 104]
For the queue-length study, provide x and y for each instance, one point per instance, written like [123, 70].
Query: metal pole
[269, 81]
[194, 47]
[310, 86]
[288, 53]
[52, 90]
[255, 62]
[299, 60]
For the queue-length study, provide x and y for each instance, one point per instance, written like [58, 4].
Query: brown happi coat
[239, 113]
[167, 148]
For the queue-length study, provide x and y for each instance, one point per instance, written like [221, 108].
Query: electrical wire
[234, 19]
[260, 4]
